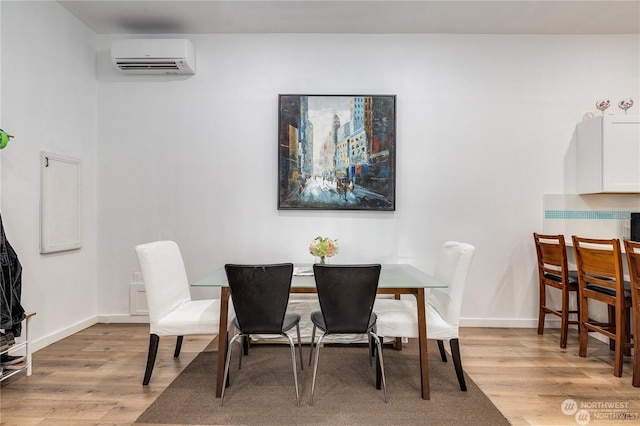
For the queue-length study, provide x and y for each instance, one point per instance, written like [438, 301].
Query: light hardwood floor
[94, 378]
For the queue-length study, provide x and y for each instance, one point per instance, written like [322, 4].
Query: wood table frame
[395, 279]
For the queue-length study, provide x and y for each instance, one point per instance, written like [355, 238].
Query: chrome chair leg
[315, 368]
[226, 366]
[313, 338]
[300, 346]
[295, 368]
[381, 361]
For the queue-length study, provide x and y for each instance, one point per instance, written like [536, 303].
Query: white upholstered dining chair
[399, 318]
[171, 310]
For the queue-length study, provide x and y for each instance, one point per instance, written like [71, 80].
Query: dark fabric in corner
[11, 311]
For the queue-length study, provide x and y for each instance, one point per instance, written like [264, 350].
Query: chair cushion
[191, 317]
[399, 318]
[396, 318]
[318, 320]
[573, 277]
[290, 320]
[609, 291]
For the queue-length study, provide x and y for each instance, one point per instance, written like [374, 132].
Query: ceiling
[358, 16]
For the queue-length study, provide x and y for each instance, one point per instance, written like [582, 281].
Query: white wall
[0, 90]
[194, 159]
[484, 127]
[49, 103]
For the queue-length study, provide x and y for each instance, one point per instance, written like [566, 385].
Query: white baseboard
[45, 341]
[521, 323]
[61, 334]
[499, 322]
[123, 319]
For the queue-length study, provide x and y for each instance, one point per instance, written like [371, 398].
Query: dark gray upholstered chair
[346, 294]
[260, 297]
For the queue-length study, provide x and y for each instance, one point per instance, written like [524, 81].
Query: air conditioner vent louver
[145, 66]
[153, 56]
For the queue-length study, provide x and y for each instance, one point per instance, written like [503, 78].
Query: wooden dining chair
[553, 272]
[600, 278]
[632, 248]
[260, 298]
[346, 294]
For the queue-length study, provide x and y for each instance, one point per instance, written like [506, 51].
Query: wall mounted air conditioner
[154, 56]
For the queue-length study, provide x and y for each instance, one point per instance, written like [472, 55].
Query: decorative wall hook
[4, 138]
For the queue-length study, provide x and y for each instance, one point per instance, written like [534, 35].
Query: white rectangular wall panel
[60, 227]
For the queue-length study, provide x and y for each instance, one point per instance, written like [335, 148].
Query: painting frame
[337, 152]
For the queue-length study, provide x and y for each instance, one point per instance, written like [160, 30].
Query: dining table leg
[398, 343]
[222, 339]
[422, 343]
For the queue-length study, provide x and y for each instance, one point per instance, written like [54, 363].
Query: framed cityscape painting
[337, 152]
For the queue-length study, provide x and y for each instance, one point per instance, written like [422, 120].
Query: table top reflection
[392, 276]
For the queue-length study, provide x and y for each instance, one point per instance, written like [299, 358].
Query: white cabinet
[608, 154]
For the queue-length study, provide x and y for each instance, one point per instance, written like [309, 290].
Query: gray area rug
[263, 393]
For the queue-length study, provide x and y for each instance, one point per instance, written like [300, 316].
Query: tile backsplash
[592, 216]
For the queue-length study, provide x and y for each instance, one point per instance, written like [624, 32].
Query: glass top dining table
[394, 279]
